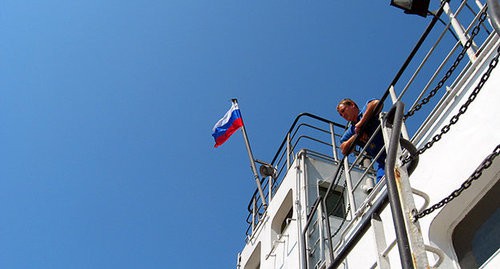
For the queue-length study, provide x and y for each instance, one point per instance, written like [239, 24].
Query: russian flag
[226, 126]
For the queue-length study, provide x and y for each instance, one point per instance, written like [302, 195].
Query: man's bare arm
[344, 147]
[370, 111]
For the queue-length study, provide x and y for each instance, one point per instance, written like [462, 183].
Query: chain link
[445, 129]
[342, 196]
[343, 220]
[477, 173]
[448, 74]
[339, 203]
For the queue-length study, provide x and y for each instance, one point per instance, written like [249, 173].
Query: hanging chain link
[338, 203]
[477, 173]
[342, 196]
[343, 220]
[445, 129]
[448, 74]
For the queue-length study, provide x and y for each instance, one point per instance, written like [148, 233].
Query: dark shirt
[369, 128]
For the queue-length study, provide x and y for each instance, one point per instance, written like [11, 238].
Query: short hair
[346, 101]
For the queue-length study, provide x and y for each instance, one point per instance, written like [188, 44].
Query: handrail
[379, 106]
[293, 126]
[414, 51]
[305, 114]
[291, 141]
[403, 67]
[364, 223]
[287, 148]
[358, 229]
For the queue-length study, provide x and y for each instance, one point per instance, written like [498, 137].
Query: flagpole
[252, 160]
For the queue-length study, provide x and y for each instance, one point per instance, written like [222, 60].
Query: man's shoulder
[362, 111]
[369, 101]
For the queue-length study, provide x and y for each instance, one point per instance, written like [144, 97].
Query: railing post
[381, 245]
[334, 144]
[460, 31]
[288, 151]
[350, 190]
[270, 194]
[254, 213]
[394, 99]
[326, 226]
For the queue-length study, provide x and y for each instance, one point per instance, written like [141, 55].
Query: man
[366, 119]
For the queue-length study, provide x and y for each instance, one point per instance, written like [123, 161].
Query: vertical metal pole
[381, 245]
[254, 213]
[301, 179]
[400, 195]
[320, 247]
[288, 151]
[334, 144]
[252, 162]
[328, 232]
[350, 190]
[459, 29]
[396, 208]
[270, 194]
[394, 99]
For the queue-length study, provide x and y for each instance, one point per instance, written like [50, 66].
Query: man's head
[348, 109]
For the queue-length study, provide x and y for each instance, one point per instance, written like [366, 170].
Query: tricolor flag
[226, 126]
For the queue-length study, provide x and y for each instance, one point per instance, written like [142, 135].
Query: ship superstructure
[438, 204]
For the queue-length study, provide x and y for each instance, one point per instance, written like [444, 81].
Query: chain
[477, 173]
[342, 196]
[340, 174]
[448, 74]
[343, 220]
[445, 129]
[346, 212]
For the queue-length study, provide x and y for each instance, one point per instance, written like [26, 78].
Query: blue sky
[107, 109]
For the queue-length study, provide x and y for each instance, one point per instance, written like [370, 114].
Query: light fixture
[417, 7]
[266, 170]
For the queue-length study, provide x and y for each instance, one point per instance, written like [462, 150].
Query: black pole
[392, 189]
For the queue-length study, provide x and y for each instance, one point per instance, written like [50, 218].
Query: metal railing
[298, 137]
[437, 66]
[319, 135]
[416, 86]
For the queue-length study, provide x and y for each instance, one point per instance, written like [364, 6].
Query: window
[287, 220]
[476, 238]
[335, 202]
[254, 260]
[282, 217]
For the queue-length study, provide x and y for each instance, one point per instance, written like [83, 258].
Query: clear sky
[106, 111]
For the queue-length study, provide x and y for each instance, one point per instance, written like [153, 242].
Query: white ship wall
[441, 170]
[455, 157]
[270, 250]
[444, 167]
